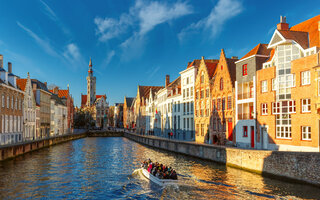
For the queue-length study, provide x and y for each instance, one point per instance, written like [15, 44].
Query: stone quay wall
[293, 166]
[11, 151]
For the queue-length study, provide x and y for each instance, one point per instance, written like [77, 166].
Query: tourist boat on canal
[156, 180]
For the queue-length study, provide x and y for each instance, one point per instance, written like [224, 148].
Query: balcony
[244, 116]
[246, 95]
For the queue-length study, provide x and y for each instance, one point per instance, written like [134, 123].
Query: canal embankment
[13, 150]
[293, 166]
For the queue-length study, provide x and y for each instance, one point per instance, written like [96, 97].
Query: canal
[102, 168]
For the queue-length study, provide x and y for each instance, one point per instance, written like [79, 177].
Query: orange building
[222, 95]
[202, 99]
[288, 89]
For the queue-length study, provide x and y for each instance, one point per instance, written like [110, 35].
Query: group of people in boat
[159, 170]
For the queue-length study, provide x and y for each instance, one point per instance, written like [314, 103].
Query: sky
[132, 42]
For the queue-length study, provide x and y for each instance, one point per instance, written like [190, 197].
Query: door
[251, 112]
[230, 130]
[252, 136]
[264, 134]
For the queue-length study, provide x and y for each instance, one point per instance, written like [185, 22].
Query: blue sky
[132, 42]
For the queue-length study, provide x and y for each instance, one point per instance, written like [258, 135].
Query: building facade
[126, 111]
[29, 109]
[59, 120]
[222, 96]
[11, 109]
[289, 118]
[202, 99]
[245, 96]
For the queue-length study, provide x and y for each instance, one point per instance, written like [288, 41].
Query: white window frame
[305, 78]
[274, 86]
[264, 86]
[264, 109]
[305, 106]
[306, 133]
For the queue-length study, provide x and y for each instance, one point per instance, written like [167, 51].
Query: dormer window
[244, 70]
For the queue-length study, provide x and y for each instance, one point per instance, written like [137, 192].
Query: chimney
[11, 78]
[234, 57]
[45, 83]
[167, 80]
[283, 25]
[55, 90]
[1, 61]
[9, 67]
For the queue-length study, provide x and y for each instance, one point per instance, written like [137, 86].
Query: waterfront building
[11, 109]
[188, 80]
[43, 99]
[245, 96]
[288, 89]
[67, 99]
[139, 109]
[95, 105]
[202, 98]
[118, 115]
[222, 96]
[59, 122]
[29, 109]
[126, 111]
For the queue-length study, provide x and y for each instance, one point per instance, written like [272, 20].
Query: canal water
[102, 168]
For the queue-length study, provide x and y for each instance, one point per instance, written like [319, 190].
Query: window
[178, 106]
[187, 123]
[283, 126]
[221, 83]
[305, 105]
[202, 77]
[306, 132]
[191, 122]
[202, 95]
[223, 103]
[264, 86]
[207, 92]
[197, 95]
[276, 108]
[221, 67]
[202, 129]
[264, 109]
[188, 107]
[188, 80]
[184, 123]
[274, 84]
[213, 105]
[284, 107]
[3, 101]
[245, 131]
[197, 129]
[191, 107]
[244, 70]
[178, 122]
[219, 104]
[187, 92]
[184, 93]
[191, 91]
[229, 103]
[8, 101]
[305, 78]
[184, 108]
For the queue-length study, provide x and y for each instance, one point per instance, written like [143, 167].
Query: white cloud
[154, 13]
[49, 11]
[45, 44]
[222, 12]
[108, 59]
[146, 15]
[72, 53]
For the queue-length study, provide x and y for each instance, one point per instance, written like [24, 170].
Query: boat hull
[157, 180]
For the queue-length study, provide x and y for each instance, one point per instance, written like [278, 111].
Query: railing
[243, 116]
[246, 95]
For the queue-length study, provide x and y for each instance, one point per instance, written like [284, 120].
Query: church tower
[91, 86]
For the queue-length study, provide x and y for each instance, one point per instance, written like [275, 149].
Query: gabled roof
[194, 63]
[260, 49]
[21, 83]
[232, 69]
[271, 55]
[84, 98]
[61, 93]
[298, 36]
[310, 26]
[39, 84]
[211, 65]
[174, 85]
[145, 90]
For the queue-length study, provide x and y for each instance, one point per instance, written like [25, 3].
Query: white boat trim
[157, 180]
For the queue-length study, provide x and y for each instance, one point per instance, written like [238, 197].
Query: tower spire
[90, 67]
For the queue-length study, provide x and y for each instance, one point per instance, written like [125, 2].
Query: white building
[29, 109]
[59, 121]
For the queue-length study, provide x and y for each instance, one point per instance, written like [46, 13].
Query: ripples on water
[102, 168]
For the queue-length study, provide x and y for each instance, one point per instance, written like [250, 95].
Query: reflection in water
[101, 168]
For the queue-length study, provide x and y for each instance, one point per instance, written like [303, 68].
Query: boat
[156, 180]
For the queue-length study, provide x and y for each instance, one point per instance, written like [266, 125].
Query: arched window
[202, 77]
[221, 84]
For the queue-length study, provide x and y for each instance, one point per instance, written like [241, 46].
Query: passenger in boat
[173, 175]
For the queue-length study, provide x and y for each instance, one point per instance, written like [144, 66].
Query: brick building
[202, 98]
[222, 95]
[126, 109]
[11, 110]
[288, 89]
